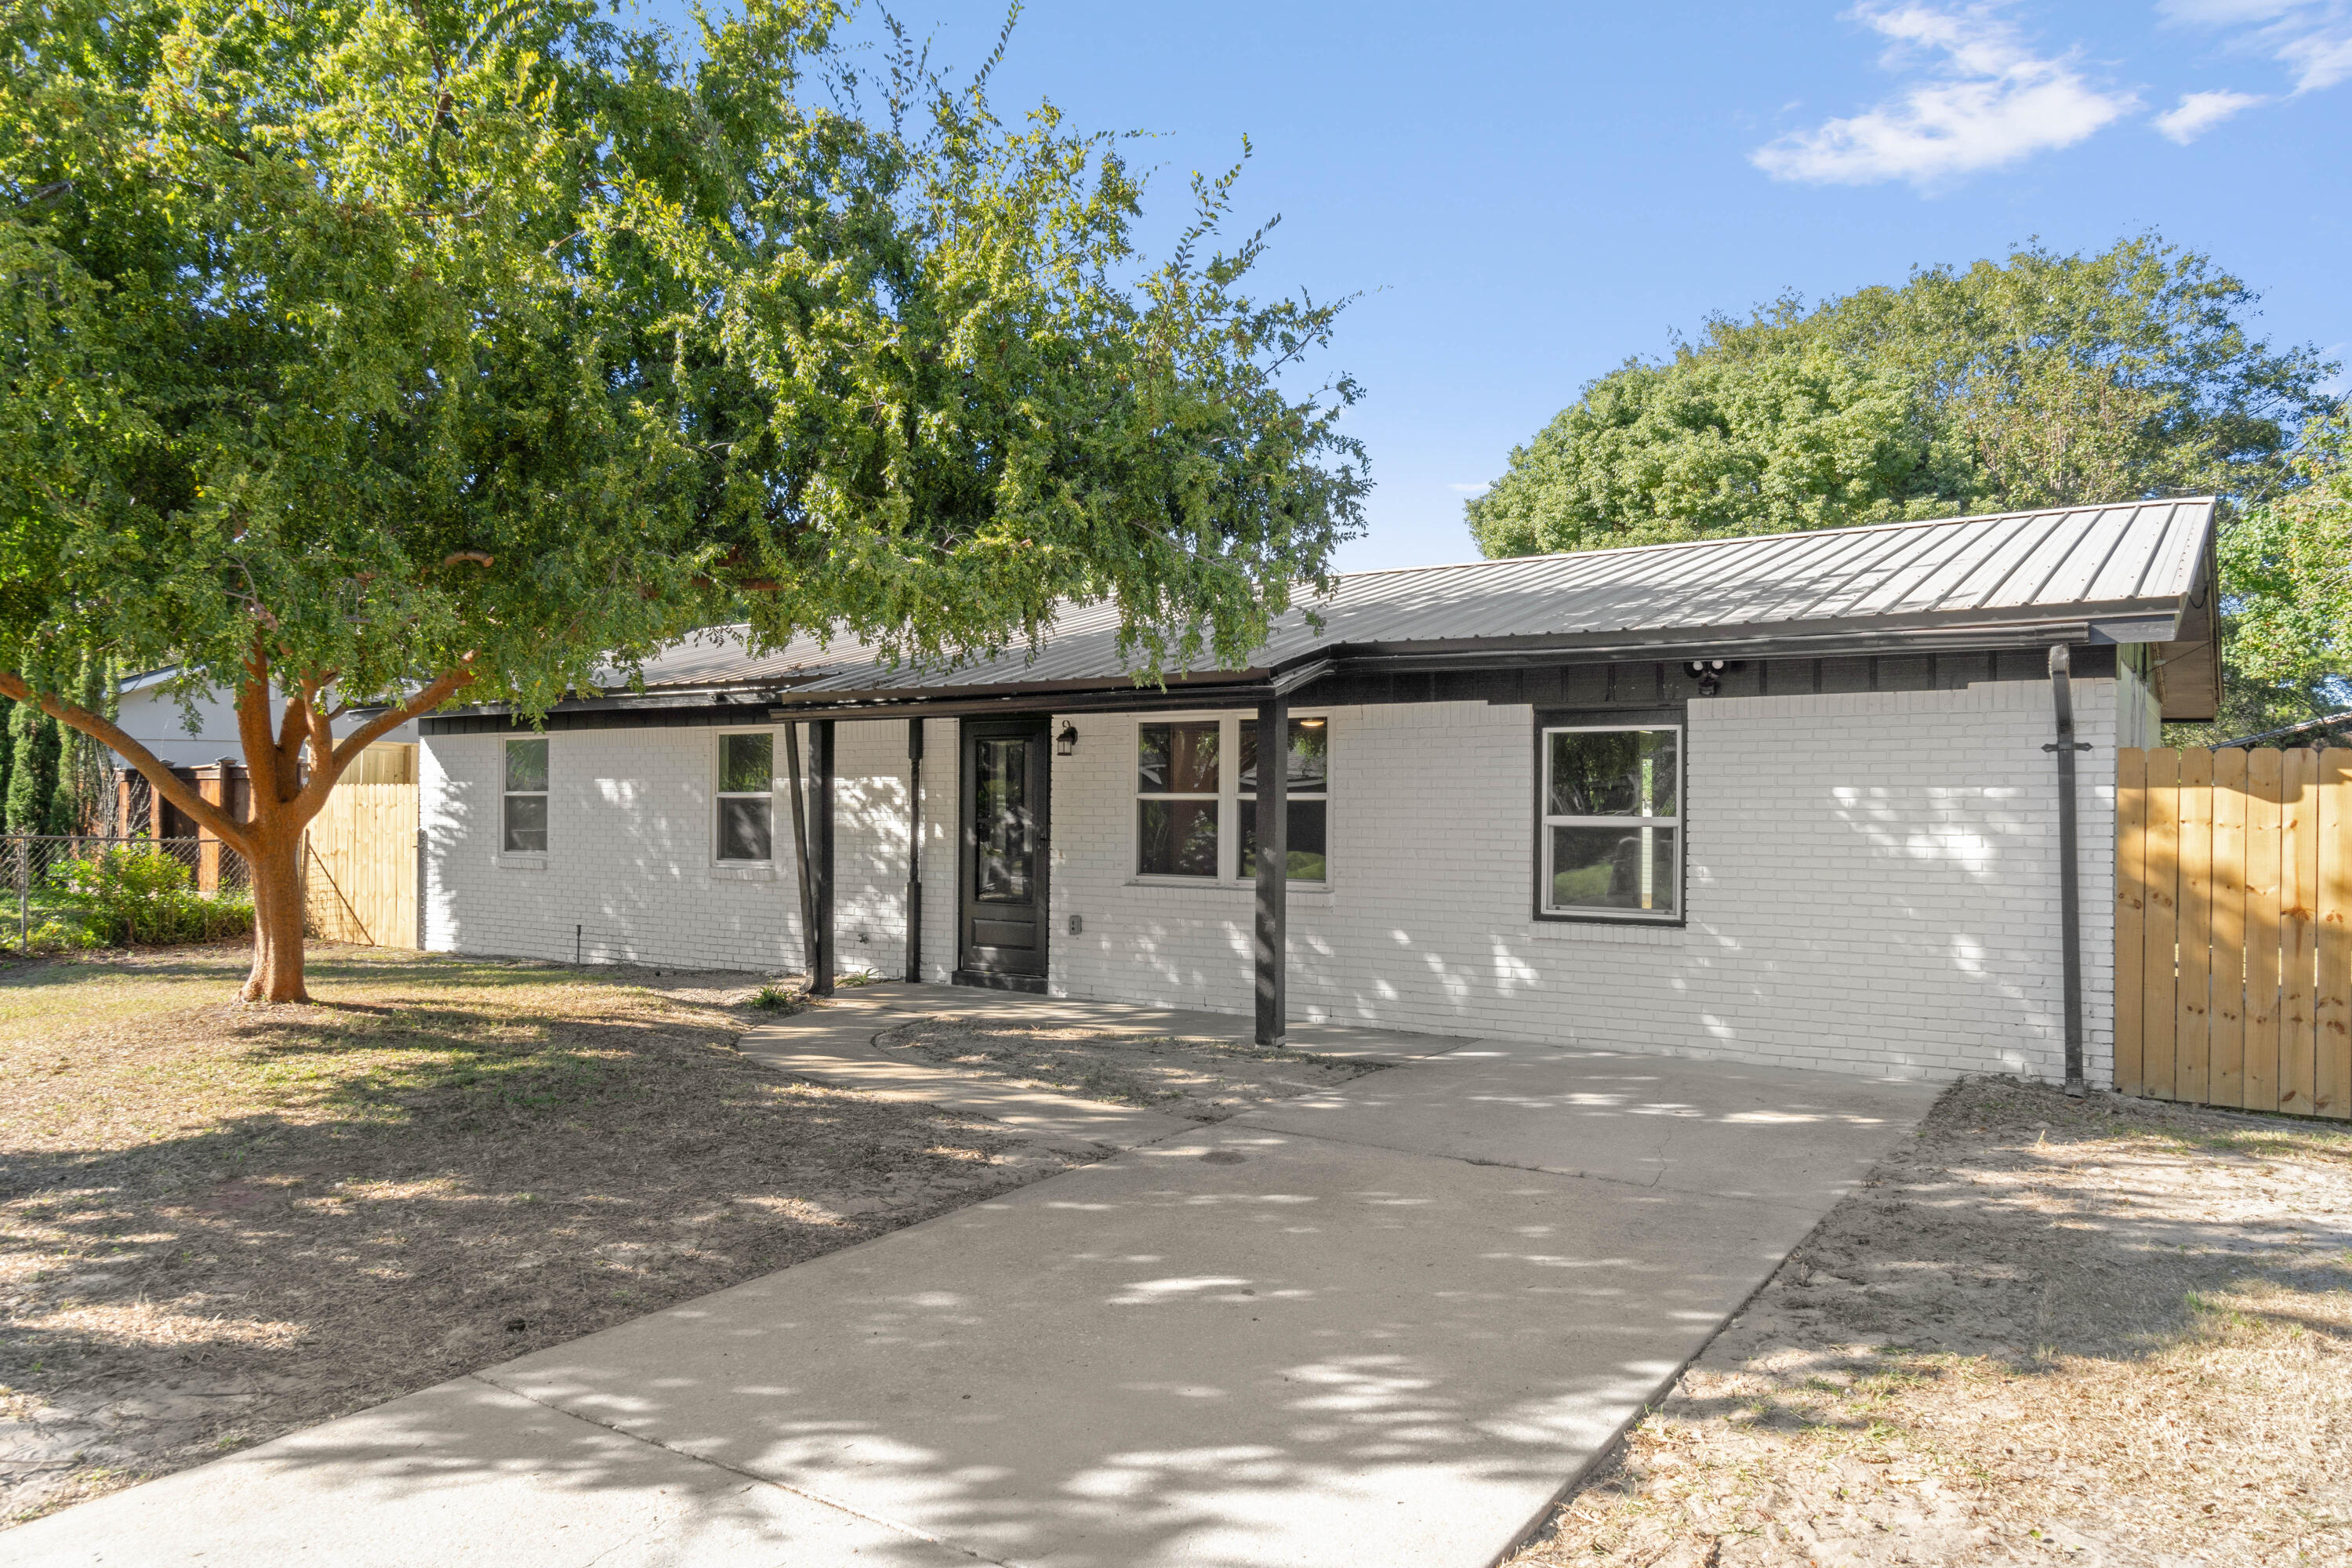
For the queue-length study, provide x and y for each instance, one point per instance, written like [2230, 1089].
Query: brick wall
[630, 832]
[1871, 887]
[1872, 879]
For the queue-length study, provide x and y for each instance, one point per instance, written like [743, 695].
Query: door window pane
[1002, 867]
[1176, 838]
[746, 764]
[1613, 772]
[1627, 867]
[744, 826]
[526, 825]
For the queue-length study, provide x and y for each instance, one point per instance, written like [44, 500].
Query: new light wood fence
[359, 867]
[2234, 928]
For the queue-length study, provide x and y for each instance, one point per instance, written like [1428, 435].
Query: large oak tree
[377, 353]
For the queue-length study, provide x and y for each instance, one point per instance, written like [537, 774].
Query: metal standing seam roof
[2136, 563]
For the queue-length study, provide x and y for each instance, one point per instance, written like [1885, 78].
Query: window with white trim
[746, 797]
[1195, 775]
[523, 803]
[1307, 818]
[1612, 828]
[1177, 798]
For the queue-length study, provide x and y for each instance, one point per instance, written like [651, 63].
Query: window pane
[1001, 824]
[744, 828]
[1613, 869]
[527, 764]
[1310, 755]
[1176, 838]
[526, 831]
[1613, 772]
[747, 764]
[1309, 861]
[1178, 759]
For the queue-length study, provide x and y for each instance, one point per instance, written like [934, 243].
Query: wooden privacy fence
[360, 861]
[2234, 928]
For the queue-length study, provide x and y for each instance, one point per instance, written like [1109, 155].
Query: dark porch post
[1273, 867]
[821, 852]
[914, 851]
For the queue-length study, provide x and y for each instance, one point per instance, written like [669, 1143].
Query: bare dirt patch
[218, 1223]
[2047, 1331]
[1198, 1076]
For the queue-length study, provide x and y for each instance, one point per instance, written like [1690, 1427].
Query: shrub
[130, 894]
[774, 998]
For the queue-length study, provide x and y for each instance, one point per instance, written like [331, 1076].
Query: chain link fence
[106, 890]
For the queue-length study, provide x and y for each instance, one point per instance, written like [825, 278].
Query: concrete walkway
[1385, 1324]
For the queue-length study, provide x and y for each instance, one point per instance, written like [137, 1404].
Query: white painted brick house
[1799, 801]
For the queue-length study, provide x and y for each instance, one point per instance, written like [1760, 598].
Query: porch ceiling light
[1067, 740]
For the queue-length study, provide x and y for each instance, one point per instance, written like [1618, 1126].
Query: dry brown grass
[218, 1223]
[2047, 1331]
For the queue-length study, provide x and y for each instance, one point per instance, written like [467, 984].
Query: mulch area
[1198, 1076]
[2047, 1331]
[218, 1223]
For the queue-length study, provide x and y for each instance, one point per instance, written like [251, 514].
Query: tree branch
[392, 719]
[153, 768]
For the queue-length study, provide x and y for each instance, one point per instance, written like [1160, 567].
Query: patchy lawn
[2099, 1332]
[218, 1223]
[1198, 1076]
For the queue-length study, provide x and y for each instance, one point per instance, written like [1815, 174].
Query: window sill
[516, 861]
[1569, 928]
[1211, 885]
[742, 871]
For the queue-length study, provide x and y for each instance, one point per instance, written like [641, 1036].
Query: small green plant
[131, 894]
[774, 998]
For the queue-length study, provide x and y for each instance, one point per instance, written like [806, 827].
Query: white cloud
[2197, 112]
[1988, 100]
[1481, 488]
[2312, 39]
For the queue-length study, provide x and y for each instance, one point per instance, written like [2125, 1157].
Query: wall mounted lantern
[1067, 740]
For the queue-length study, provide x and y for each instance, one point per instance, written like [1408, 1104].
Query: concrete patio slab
[832, 1044]
[459, 1475]
[1723, 1128]
[1241, 1348]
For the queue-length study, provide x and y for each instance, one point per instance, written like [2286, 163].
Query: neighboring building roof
[2126, 574]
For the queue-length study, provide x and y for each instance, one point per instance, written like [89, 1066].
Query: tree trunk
[275, 865]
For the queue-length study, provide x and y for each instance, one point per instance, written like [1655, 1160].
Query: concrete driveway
[1382, 1325]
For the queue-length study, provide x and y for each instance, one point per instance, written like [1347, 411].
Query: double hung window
[522, 805]
[1612, 839]
[1178, 791]
[746, 796]
[1308, 779]
[1196, 799]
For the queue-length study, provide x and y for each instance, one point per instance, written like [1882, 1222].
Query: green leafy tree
[33, 746]
[2040, 380]
[2287, 563]
[369, 352]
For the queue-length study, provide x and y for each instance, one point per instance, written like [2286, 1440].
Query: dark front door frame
[978, 964]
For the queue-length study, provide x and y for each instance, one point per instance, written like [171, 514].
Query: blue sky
[1524, 195]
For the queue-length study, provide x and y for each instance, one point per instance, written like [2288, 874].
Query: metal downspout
[2070, 869]
[914, 851]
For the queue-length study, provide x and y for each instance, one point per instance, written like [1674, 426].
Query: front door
[1007, 804]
